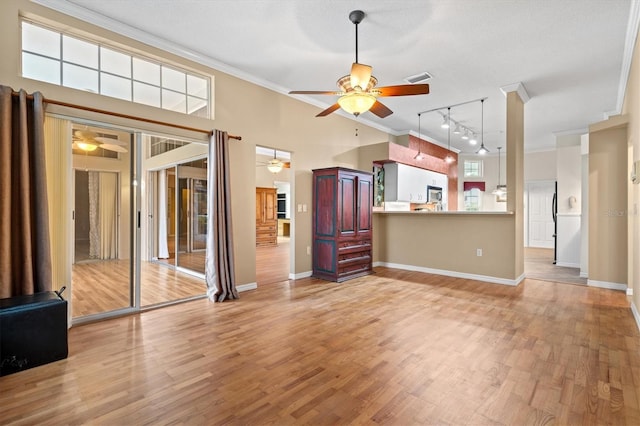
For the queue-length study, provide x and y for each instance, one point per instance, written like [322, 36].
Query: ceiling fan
[88, 140]
[275, 165]
[357, 92]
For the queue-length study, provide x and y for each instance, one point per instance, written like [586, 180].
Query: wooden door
[347, 212]
[364, 205]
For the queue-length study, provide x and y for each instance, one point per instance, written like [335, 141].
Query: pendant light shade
[482, 150]
[419, 156]
[501, 190]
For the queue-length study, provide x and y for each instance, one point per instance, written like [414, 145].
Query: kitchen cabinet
[266, 217]
[409, 184]
[342, 223]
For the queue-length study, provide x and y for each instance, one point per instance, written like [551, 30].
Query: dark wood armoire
[342, 223]
[266, 217]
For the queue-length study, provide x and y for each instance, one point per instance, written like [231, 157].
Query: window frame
[188, 98]
[480, 167]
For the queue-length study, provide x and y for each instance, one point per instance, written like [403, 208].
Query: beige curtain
[108, 215]
[25, 260]
[219, 262]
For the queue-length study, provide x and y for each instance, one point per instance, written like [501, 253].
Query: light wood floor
[104, 286]
[396, 347]
[272, 263]
[538, 264]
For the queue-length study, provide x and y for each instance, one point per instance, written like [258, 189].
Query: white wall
[569, 172]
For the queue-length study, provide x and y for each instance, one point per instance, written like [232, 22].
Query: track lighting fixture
[449, 158]
[445, 122]
[465, 135]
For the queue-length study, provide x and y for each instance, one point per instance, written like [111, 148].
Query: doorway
[273, 262]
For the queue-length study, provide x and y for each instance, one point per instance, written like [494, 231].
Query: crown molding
[518, 88]
[627, 57]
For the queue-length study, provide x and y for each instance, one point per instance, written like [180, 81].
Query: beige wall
[608, 182]
[261, 116]
[447, 242]
[569, 175]
[540, 165]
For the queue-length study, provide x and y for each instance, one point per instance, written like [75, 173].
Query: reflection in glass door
[199, 211]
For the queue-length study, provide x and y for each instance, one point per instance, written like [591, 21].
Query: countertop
[443, 213]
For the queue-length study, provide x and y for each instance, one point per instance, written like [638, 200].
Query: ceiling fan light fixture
[86, 146]
[275, 166]
[356, 102]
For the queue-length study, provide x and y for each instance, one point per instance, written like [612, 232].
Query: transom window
[58, 58]
[472, 168]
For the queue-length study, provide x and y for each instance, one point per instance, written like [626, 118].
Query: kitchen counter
[430, 213]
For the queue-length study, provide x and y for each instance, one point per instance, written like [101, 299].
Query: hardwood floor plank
[395, 347]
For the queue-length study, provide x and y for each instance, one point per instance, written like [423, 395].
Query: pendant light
[449, 158]
[482, 150]
[419, 156]
[500, 190]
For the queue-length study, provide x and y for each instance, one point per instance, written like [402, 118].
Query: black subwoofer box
[33, 331]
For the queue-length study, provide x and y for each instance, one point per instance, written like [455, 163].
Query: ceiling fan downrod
[356, 17]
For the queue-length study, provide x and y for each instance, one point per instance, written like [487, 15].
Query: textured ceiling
[567, 53]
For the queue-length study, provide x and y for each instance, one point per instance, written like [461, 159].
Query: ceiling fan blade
[329, 110]
[85, 134]
[380, 110]
[116, 148]
[403, 90]
[313, 92]
[360, 75]
[110, 141]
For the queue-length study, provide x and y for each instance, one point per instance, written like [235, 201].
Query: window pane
[40, 40]
[174, 101]
[172, 79]
[196, 106]
[146, 94]
[79, 78]
[115, 62]
[197, 86]
[79, 52]
[116, 87]
[146, 71]
[39, 68]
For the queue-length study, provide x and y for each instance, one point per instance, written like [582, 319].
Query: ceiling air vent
[418, 78]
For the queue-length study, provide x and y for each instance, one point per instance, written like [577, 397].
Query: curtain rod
[131, 117]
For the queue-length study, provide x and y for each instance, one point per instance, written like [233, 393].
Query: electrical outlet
[478, 252]
[308, 250]
[299, 208]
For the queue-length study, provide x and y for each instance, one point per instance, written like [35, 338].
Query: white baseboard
[568, 265]
[300, 275]
[493, 280]
[246, 287]
[636, 314]
[606, 284]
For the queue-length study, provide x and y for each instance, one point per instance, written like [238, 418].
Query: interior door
[541, 225]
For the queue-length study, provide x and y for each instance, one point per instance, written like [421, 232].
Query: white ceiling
[567, 53]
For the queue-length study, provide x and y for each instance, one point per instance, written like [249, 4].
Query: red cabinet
[342, 208]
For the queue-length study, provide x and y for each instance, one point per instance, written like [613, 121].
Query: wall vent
[418, 78]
